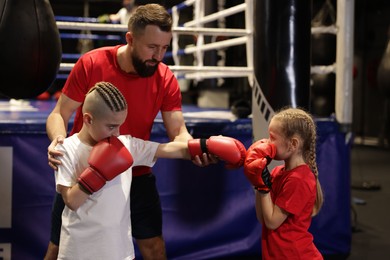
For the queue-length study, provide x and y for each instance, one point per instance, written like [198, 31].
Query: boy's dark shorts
[146, 212]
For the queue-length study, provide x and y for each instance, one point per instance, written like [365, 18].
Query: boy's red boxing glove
[258, 156]
[108, 159]
[226, 148]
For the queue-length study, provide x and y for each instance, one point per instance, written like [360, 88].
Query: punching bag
[323, 93]
[323, 52]
[323, 45]
[282, 53]
[383, 77]
[30, 48]
[383, 80]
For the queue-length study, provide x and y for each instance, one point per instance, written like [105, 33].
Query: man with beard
[149, 87]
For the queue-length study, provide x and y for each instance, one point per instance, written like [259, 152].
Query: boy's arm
[70, 191]
[229, 149]
[73, 196]
[173, 150]
[177, 131]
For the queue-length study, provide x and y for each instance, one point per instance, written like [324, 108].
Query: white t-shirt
[101, 227]
[124, 15]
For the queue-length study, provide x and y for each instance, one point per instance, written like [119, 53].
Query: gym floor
[370, 182]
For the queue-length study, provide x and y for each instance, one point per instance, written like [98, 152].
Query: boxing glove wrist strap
[84, 189]
[262, 191]
[203, 145]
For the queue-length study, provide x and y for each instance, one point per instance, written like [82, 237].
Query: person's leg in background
[146, 217]
[56, 222]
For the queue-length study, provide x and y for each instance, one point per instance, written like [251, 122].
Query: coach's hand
[52, 153]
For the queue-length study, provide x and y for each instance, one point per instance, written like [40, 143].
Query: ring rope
[332, 29]
[323, 69]
[217, 45]
[175, 37]
[90, 36]
[182, 5]
[198, 13]
[179, 30]
[76, 19]
[91, 26]
[208, 46]
[71, 56]
[213, 17]
[242, 37]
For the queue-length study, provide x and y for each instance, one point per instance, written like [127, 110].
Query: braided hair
[297, 121]
[111, 96]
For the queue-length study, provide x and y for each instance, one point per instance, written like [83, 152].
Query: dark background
[371, 38]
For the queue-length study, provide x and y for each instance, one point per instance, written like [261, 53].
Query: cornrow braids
[111, 96]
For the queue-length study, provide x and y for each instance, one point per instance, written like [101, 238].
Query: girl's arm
[173, 150]
[259, 214]
[73, 196]
[272, 215]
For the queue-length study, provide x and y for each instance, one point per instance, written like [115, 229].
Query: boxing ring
[342, 67]
[208, 213]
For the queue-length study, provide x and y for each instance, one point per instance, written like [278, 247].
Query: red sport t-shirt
[295, 192]
[145, 96]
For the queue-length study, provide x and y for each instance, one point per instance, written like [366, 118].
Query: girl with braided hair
[289, 196]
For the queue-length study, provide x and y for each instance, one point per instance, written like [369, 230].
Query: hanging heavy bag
[30, 48]
[383, 76]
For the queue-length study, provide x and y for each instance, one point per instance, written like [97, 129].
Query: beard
[142, 68]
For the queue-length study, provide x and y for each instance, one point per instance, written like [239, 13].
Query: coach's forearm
[183, 136]
[55, 126]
